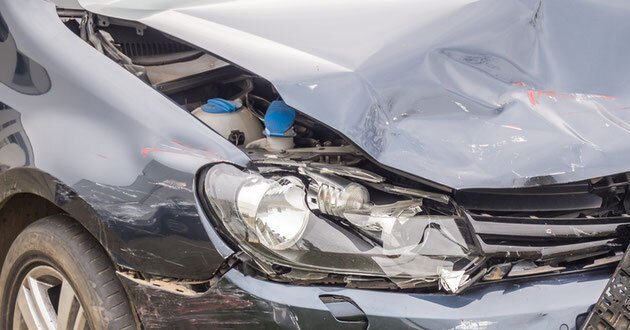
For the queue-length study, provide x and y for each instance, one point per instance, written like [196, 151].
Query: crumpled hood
[468, 94]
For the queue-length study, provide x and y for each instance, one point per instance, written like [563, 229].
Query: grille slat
[550, 228]
[545, 252]
[573, 219]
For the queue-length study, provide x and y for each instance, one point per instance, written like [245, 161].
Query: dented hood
[467, 94]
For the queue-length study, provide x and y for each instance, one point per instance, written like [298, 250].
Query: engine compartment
[191, 77]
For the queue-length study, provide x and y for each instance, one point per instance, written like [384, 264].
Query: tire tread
[89, 257]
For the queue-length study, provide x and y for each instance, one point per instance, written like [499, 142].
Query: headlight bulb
[335, 200]
[334, 195]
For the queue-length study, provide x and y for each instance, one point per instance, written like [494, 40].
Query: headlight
[321, 223]
[255, 209]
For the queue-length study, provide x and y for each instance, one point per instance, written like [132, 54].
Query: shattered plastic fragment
[452, 280]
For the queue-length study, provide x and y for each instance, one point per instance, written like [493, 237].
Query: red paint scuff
[535, 95]
[532, 98]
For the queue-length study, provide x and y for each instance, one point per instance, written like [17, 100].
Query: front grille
[563, 226]
[548, 237]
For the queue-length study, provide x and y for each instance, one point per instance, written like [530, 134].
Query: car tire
[47, 256]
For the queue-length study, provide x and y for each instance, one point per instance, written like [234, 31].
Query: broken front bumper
[612, 311]
[238, 301]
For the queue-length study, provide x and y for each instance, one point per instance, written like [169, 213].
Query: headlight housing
[315, 222]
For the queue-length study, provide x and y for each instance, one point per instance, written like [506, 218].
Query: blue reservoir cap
[279, 119]
[218, 105]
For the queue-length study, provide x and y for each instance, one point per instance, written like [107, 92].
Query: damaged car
[460, 164]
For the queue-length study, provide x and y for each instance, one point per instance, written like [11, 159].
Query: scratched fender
[89, 147]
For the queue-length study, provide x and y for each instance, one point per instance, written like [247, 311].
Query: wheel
[57, 276]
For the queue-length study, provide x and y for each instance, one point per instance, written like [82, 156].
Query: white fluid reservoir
[231, 119]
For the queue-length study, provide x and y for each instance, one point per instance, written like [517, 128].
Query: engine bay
[230, 100]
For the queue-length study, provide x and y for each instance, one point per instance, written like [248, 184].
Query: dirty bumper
[242, 302]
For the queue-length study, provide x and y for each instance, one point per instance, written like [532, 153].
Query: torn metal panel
[487, 93]
[153, 207]
[166, 308]
[163, 305]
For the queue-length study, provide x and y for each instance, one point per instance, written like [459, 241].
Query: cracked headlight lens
[318, 223]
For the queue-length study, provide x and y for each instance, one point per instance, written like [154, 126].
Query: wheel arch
[29, 194]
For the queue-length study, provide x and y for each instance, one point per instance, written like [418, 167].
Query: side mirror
[4, 30]
[8, 53]
[18, 71]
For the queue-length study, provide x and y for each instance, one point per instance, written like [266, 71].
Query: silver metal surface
[46, 300]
